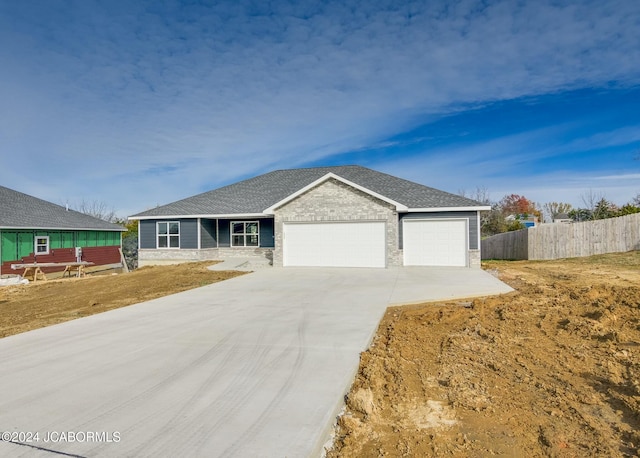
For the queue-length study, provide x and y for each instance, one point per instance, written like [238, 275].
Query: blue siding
[472, 216]
[147, 231]
[223, 233]
[208, 233]
[267, 239]
[188, 233]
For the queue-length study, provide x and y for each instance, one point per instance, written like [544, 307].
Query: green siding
[55, 239]
[18, 244]
[97, 238]
[66, 240]
[81, 238]
[9, 246]
[25, 244]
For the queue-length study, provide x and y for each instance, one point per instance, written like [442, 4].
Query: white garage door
[334, 244]
[434, 242]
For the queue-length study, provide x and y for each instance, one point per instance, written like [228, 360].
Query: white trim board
[448, 209]
[228, 215]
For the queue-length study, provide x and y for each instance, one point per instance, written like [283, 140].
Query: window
[41, 245]
[168, 234]
[245, 233]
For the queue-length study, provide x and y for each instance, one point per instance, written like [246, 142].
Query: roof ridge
[320, 167]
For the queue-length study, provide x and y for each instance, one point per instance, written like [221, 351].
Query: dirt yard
[43, 303]
[550, 370]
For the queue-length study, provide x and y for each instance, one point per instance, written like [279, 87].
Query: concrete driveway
[254, 366]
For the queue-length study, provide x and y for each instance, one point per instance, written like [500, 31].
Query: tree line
[512, 211]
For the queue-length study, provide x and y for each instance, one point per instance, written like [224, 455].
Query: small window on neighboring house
[245, 233]
[168, 234]
[41, 245]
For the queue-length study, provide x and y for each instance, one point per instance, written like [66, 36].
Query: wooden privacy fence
[560, 240]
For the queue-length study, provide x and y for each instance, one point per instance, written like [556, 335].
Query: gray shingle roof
[256, 194]
[19, 210]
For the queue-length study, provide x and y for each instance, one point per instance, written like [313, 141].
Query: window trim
[167, 235]
[244, 234]
[47, 245]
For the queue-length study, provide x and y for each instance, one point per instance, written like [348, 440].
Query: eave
[210, 216]
[50, 228]
[448, 209]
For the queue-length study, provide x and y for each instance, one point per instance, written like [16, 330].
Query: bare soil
[43, 303]
[551, 370]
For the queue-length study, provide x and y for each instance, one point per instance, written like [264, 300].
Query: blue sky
[140, 103]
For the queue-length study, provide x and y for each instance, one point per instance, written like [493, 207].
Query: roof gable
[22, 211]
[262, 194]
[328, 176]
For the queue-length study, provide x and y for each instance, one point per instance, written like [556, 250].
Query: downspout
[479, 230]
[479, 236]
[217, 233]
[199, 233]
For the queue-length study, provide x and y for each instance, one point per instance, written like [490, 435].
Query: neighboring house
[528, 221]
[34, 230]
[562, 218]
[344, 216]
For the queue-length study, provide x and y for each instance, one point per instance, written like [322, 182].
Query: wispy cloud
[98, 91]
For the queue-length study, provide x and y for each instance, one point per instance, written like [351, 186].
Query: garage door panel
[334, 244]
[435, 242]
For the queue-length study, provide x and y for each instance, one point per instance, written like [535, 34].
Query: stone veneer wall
[333, 200]
[474, 258]
[149, 257]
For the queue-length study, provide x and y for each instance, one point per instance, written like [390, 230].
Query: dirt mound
[552, 369]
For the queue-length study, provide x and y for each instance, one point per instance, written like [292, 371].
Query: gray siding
[224, 233]
[266, 233]
[471, 216]
[147, 231]
[208, 233]
[188, 233]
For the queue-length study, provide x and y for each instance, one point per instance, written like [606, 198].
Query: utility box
[78, 254]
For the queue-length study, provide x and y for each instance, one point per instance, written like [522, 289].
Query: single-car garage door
[334, 244]
[434, 242]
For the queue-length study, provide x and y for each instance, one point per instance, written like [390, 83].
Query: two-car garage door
[426, 242]
[335, 244]
[434, 242]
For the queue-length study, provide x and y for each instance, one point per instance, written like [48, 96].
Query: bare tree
[552, 209]
[481, 194]
[591, 198]
[97, 209]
